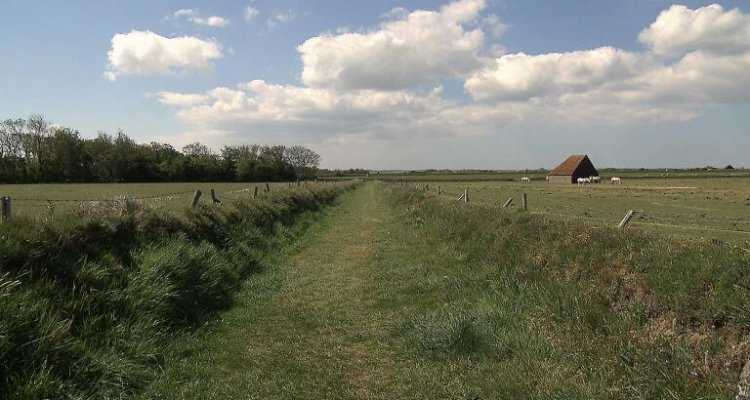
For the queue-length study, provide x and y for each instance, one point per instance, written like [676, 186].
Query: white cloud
[462, 11]
[497, 27]
[367, 87]
[148, 53]
[180, 99]
[213, 21]
[420, 47]
[280, 18]
[194, 16]
[680, 30]
[521, 76]
[396, 13]
[250, 12]
[709, 56]
[262, 102]
[184, 12]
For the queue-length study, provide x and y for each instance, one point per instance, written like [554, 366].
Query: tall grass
[551, 309]
[88, 303]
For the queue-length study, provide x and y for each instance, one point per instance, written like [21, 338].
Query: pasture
[381, 292]
[695, 207]
[399, 295]
[55, 200]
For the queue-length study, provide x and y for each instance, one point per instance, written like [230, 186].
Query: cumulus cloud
[148, 53]
[365, 86]
[680, 30]
[194, 16]
[708, 53]
[521, 76]
[417, 48]
[304, 108]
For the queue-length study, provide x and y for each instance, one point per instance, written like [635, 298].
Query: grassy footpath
[307, 328]
[402, 295]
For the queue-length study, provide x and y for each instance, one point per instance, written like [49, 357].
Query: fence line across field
[122, 197]
[637, 216]
[6, 201]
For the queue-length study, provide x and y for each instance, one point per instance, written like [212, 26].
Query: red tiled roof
[569, 166]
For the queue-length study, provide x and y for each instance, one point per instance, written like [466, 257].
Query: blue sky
[496, 84]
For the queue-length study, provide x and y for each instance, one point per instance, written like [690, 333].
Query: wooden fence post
[440, 190]
[628, 216]
[213, 197]
[6, 209]
[255, 193]
[196, 197]
[525, 202]
[507, 203]
[268, 187]
[298, 184]
[466, 195]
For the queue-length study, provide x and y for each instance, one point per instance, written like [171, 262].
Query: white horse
[525, 179]
[616, 180]
[596, 179]
[583, 181]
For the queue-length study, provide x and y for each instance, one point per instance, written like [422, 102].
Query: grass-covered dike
[89, 302]
[513, 305]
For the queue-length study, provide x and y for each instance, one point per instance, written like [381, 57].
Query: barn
[576, 166]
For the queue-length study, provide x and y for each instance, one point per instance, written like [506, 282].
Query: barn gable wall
[585, 169]
[560, 179]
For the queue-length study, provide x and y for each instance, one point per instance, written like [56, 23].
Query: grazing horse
[616, 180]
[583, 181]
[596, 179]
[525, 179]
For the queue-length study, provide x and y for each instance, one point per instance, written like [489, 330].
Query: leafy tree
[304, 161]
[68, 159]
[34, 150]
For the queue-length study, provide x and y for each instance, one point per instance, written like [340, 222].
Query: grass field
[711, 208]
[390, 293]
[398, 294]
[686, 203]
[54, 200]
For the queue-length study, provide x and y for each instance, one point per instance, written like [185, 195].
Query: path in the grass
[308, 328]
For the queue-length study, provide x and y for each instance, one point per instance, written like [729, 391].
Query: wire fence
[118, 198]
[702, 220]
[47, 206]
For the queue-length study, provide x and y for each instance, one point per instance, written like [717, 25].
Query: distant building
[576, 166]
[729, 167]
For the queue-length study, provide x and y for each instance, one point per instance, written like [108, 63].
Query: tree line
[34, 151]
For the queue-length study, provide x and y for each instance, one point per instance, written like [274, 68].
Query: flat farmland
[53, 200]
[711, 208]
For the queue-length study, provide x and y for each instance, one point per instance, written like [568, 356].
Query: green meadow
[379, 291]
[708, 207]
[56, 200]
